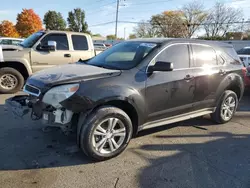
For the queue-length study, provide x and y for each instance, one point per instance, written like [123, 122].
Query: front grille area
[32, 90]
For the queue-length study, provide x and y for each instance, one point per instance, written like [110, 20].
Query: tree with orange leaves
[28, 22]
[169, 24]
[7, 29]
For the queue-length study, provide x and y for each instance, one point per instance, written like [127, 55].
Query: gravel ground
[195, 153]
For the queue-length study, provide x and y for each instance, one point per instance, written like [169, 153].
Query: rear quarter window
[231, 56]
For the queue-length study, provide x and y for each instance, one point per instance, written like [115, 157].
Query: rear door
[209, 70]
[171, 93]
[44, 59]
[81, 48]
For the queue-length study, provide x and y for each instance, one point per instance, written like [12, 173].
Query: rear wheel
[226, 107]
[11, 80]
[106, 133]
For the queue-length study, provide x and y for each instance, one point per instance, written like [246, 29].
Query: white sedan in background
[10, 41]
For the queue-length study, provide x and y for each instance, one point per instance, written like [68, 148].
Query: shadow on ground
[23, 145]
[224, 161]
[217, 159]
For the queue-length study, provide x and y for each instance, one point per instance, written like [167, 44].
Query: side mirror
[52, 45]
[161, 66]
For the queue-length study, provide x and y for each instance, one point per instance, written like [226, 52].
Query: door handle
[222, 72]
[67, 55]
[189, 78]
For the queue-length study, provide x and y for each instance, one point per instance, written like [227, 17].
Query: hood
[13, 52]
[11, 48]
[68, 74]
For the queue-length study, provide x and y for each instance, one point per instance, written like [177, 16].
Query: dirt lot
[196, 153]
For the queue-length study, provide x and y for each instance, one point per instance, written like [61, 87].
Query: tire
[101, 117]
[15, 76]
[217, 116]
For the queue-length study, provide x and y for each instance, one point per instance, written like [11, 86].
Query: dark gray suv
[135, 85]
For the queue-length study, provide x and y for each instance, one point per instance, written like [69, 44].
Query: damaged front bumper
[19, 106]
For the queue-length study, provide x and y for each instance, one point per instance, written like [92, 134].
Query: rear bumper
[18, 105]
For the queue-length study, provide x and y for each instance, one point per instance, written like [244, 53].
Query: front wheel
[226, 107]
[11, 81]
[105, 133]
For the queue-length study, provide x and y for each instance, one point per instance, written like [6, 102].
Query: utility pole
[116, 20]
[242, 24]
[124, 33]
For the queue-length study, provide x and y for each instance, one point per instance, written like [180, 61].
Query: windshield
[32, 39]
[123, 56]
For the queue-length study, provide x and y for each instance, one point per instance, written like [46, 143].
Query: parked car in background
[244, 51]
[246, 72]
[108, 45]
[100, 46]
[39, 51]
[135, 85]
[10, 41]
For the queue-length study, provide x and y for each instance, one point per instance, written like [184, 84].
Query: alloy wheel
[228, 108]
[109, 135]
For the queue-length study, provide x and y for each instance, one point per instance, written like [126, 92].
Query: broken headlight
[59, 93]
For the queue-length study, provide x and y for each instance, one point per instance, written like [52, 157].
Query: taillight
[244, 71]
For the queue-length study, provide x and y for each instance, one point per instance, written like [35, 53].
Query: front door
[45, 59]
[171, 93]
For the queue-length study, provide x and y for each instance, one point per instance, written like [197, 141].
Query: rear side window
[79, 42]
[5, 41]
[60, 39]
[177, 54]
[204, 55]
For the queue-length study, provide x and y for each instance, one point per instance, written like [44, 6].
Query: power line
[100, 24]
[95, 3]
[88, 13]
[148, 3]
[239, 22]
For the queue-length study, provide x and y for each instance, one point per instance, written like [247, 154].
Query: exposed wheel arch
[20, 67]
[127, 108]
[235, 88]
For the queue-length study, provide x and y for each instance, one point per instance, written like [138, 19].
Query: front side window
[204, 55]
[177, 54]
[60, 39]
[124, 55]
[79, 42]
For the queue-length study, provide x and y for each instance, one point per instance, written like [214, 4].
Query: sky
[104, 11]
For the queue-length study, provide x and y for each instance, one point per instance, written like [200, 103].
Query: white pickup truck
[41, 50]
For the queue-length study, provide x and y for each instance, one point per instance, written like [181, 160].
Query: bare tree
[194, 15]
[220, 20]
[144, 29]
